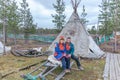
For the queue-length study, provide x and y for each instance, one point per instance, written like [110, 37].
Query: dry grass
[9, 63]
[93, 71]
[93, 68]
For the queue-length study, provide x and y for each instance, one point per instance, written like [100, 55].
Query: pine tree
[105, 19]
[13, 19]
[83, 19]
[9, 16]
[115, 13]
[4, 10]
[110, 17]
[27, 20]
[92, 30]
[59, 17]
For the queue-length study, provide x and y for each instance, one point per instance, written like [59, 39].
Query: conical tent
[83, 42]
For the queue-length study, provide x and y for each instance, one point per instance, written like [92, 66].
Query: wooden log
[27, 67]
[11, 72]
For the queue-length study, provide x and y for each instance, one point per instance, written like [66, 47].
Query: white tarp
[6, 48]
[52, 59]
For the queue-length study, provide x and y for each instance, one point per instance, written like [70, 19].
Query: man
[70, 52]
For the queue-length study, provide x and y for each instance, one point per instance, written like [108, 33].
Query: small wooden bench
[112, 67]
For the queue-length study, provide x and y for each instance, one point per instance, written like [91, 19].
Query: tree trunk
[26, 36]
[15, 39]
[4, 37]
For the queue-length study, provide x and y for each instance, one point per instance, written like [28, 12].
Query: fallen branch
[27, 67]
[11, 72]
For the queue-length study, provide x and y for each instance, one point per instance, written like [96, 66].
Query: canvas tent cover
[83, 42]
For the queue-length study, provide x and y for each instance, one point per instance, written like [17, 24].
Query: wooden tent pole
[75, 4]
[78, 2]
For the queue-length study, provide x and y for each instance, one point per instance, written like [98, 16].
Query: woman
[60, 54]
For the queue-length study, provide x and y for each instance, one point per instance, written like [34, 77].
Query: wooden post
[75, 4]
[116, 22]
[115, 42]
[97, 32]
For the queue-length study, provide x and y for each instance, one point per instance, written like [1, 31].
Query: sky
[42, 9]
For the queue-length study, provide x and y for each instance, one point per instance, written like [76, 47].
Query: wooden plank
[111, 76]
[112, 68]
[118, 63]
[62, 73]
[107, 66]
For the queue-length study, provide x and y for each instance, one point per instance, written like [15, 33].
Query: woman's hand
[55, 45]
[64, 54]
[68, 55]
